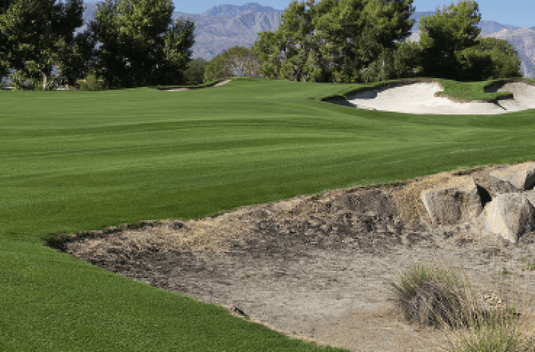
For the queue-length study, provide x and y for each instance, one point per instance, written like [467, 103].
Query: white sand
[419, 98]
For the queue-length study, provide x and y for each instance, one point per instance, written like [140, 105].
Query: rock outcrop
[452, 205]
[521, 176]
[509, 210]
[510, 215]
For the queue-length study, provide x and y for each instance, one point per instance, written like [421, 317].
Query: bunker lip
[314, 267]
[421, 98]
[185, 88]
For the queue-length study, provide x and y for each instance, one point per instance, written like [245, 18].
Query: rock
[521, 176]
[510, 215]
[494, 186]
[238, 311]
[530, 195]
[454, 203]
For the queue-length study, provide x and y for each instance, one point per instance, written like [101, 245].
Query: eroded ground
[318, 267]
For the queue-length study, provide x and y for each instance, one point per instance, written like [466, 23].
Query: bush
[235, 62]
[194, 74]
[92, 83]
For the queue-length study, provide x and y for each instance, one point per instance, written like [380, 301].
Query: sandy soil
[419, 98]
[320, 267]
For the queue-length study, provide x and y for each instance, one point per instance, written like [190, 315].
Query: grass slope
[77, 161]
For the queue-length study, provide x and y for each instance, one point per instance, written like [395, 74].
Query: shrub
[92, 83]
[194, 73]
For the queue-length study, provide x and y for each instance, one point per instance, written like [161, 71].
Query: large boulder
[510, 215]
[453, 203]
[521, 176]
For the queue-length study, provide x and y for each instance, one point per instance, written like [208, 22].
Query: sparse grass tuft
[500, 330]
[432, 296]
[443, 298]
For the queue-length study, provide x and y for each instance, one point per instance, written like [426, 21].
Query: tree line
[129, 43]
[356, 41]
[132, 43]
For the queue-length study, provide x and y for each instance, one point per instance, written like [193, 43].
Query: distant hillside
[213, 34]
[222, 27]
[235, 11]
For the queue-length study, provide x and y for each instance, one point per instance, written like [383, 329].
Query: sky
[511, 12]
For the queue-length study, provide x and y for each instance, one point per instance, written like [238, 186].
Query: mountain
[214, 34]
[235, 11]
[222, 27]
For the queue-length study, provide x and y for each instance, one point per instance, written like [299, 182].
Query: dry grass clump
[502, 337]
[431, 296]
[443, 298]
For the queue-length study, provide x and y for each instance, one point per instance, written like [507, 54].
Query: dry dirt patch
[316, 267]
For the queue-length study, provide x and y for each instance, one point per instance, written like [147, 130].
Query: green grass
[457, 91]
[78, 161]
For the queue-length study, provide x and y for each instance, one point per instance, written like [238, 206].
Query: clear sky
[513, 12]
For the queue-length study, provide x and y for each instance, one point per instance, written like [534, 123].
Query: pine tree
[446, 33]
[139, 44]
[333, 40]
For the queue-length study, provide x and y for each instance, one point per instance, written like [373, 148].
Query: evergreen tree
[333, 40]
[139, 44]
[445, 34]
[393, 63]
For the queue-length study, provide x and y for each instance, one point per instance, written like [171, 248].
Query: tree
[35, 37]
[489, 58]
[445, 34]
[333, 40]
[139, 44]
[287, 53]
[356, 32]
[237, 61]
[399, 62]
[195, 72]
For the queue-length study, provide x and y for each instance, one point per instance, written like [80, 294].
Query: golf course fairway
[75, 161]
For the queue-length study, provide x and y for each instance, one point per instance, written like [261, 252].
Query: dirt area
[320, 267]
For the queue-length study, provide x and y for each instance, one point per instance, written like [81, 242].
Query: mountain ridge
[236, 10]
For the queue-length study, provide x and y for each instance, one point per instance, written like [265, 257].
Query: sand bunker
[183, 89]
[419, 98]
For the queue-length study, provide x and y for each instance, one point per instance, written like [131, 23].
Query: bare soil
[320, 268]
